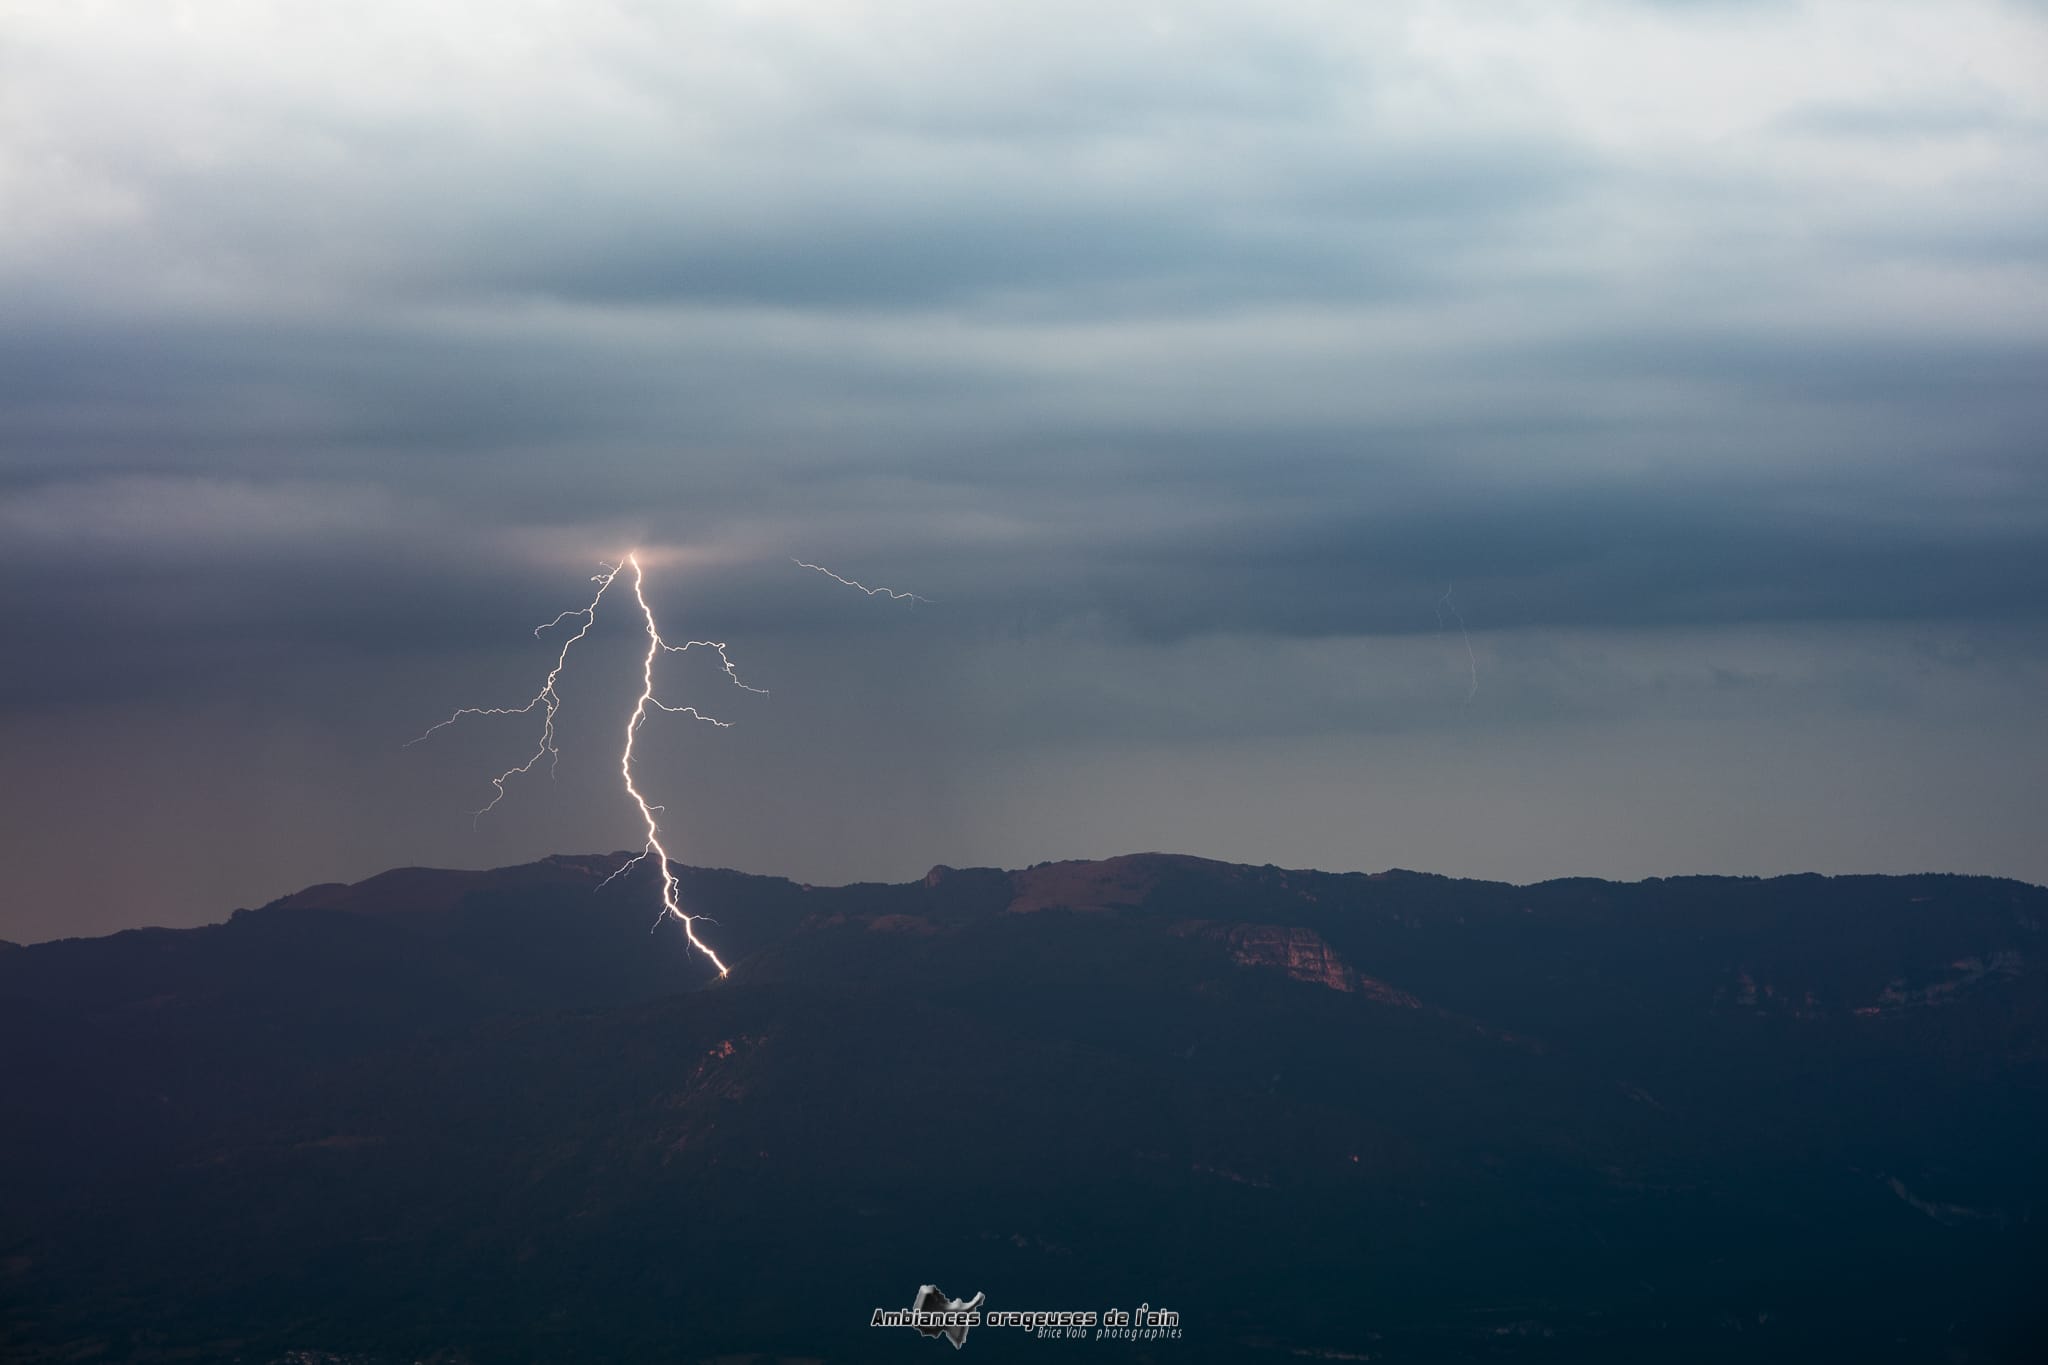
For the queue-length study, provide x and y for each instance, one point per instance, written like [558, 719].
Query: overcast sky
[1184, 355]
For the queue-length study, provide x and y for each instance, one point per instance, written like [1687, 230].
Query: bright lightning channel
[890, 593]
[549, 701]
[670, 905]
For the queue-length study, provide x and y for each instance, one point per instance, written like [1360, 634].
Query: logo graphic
[933, 1315]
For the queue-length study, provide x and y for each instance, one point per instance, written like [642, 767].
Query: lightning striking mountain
[655, 645]
[548, 701]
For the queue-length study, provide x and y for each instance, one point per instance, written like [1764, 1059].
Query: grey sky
[1183, 354]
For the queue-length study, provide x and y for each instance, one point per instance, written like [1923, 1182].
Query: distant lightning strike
[1445, 603]
[549, 701]
[890, 593]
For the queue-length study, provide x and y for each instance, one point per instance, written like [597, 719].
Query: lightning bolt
[1445, 603]
[548, 701]
[890, 593]
[670, 905]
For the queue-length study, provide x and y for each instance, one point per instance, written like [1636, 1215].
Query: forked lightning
[548, 701]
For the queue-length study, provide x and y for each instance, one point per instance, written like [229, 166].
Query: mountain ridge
[420, 886]
[1456, 1119]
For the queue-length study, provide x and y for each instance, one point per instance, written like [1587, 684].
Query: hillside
[489, 1117]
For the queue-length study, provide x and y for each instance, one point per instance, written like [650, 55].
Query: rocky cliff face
[1299, 952]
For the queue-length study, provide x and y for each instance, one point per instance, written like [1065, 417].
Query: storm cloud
[1184, 355]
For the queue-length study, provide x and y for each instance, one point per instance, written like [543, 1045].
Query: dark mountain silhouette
[489, 1117]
